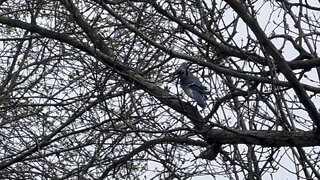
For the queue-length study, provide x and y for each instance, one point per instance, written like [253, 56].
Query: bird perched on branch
[191, 85]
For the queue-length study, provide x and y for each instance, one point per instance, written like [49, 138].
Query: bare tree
[87, 89]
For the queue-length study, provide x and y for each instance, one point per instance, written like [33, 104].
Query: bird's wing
[198, 87]
[201, 101]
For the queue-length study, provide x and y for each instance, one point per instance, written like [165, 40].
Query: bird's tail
[199, 98]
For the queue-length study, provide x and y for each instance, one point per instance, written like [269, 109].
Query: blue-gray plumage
[191, 85]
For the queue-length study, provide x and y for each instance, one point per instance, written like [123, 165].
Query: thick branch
[264, 138]
[304, 64]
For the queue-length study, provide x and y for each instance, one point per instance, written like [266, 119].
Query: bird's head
[182, 70]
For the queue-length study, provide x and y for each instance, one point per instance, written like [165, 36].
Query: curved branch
[279, 60]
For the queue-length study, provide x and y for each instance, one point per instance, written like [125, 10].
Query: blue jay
[191, 85]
